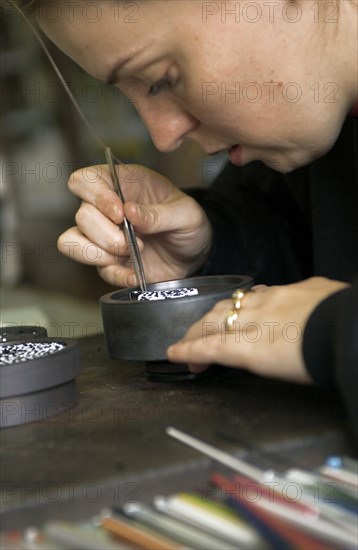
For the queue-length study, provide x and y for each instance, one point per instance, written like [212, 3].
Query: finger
[76, 246]
[211, 323]
[259, 288]
[222, 348]
[214, 321]
[164, 216]
[118, 275]
[138, 182]
[94, 185]
[100, 230]
[197, 368]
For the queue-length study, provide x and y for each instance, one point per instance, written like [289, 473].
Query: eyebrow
[113, 73]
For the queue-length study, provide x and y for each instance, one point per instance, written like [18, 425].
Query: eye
[159, 86]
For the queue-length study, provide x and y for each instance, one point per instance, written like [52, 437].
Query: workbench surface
[100, 451]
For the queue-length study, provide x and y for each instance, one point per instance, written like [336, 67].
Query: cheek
[244, 103]
[247, 113]
[241, 120]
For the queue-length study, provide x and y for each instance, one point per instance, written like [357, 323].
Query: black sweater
[281, 229]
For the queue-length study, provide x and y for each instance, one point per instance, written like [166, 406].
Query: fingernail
[173, 348]
[138, 211]
[133, 280]
[115, 211]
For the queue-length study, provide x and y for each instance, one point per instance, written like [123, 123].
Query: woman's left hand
[268, 334]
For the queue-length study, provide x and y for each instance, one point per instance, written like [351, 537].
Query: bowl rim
[109, 298]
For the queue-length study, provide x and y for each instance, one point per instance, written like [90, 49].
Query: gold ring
[233, 313]
[230, 319]
[237, 297]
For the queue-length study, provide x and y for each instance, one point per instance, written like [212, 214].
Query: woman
[275, 84]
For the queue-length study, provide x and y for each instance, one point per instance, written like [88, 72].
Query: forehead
[98, 34]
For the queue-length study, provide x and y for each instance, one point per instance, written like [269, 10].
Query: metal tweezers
[134, 253]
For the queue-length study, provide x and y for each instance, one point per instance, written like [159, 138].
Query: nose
[168, 124]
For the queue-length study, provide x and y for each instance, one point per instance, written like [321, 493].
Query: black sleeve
[330, 347]
[258, 227]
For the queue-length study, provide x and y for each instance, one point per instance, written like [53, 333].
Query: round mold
[143, 330]
[36, 406]
[33, 375]
[21, 332]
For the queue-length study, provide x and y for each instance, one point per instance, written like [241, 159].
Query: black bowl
[143, 330]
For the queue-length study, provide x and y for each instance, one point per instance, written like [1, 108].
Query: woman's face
[250, 77]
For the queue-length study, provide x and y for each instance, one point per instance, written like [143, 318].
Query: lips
[216, 152]
[235, 155]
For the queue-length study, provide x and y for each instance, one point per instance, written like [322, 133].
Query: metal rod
[128, 230]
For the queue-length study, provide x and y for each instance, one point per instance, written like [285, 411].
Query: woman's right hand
[174, 233]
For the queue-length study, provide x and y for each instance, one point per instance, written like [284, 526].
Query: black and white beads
[18, 353]
[152, 295]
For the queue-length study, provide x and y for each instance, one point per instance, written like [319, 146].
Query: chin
[292, 161]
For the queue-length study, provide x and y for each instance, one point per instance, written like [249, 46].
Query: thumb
[151, 218]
